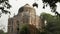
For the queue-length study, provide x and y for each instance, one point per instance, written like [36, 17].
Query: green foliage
[29, 29]
[2, 32]
[53, 24]
[46, 16]
[24, 29]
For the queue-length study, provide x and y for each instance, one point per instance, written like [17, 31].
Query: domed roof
[25, 6]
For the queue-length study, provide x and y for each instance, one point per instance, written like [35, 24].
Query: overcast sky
[16, 4]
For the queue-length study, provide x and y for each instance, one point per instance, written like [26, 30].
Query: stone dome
[26, 8]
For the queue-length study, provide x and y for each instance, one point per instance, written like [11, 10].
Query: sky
[16, 4]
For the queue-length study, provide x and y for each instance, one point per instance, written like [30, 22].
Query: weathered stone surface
[26, 15]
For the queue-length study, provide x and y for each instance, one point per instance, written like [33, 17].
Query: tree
[2, 32]
[52, 4]
[46, 16]
[4, 4]
[24, 29]
[29, 29]
[53, 24]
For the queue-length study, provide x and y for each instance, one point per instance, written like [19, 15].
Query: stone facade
[26, 14]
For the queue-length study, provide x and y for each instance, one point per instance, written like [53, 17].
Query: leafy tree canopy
[52, 4]
[52, 25]
[2, 32]
[4, 4]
